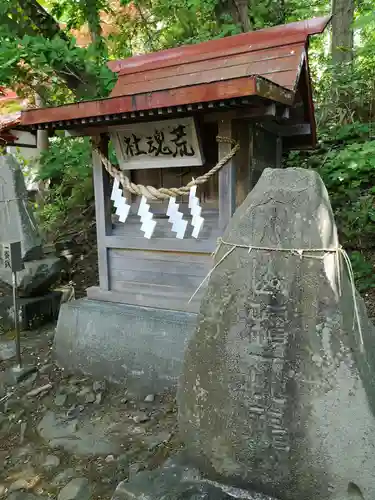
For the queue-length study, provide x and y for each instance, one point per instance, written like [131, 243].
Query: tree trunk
[94, 21]
[240, 10]
[282, 13]
[342, 31]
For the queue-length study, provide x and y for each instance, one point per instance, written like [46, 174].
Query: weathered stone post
[41, 272]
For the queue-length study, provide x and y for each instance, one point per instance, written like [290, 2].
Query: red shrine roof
[273, 53]
[269, 64]
[7, 120]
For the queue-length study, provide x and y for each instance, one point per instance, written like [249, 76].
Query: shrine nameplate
[163, 144]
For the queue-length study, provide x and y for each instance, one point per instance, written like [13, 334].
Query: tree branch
[47, 27]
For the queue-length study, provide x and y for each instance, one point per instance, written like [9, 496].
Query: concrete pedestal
[139, 347]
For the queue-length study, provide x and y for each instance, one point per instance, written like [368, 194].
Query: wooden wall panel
[158, 279]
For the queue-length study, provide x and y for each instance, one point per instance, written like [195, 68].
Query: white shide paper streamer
[148, 225]
[179, 225]
[122, 208]
[195, 210]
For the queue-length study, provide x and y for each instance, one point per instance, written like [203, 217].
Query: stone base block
[37, 277]
[177, 481]
[140, 347]
[33, 311]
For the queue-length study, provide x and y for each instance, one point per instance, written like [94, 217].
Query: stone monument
[17, 223]
[278, 388]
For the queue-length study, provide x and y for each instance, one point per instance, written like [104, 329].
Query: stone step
[33, 311]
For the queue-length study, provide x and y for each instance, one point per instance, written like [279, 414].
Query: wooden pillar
[42, 141]
[102, 210]
[243, 134]
[227, 176]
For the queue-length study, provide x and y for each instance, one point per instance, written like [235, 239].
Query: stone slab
[178, 481]
[142, 348]
[33, 312]
[38, 276]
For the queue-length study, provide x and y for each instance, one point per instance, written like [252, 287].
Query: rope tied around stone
[152, 193]
[301, 253]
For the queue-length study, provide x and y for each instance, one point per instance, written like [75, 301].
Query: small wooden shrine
[172, 116]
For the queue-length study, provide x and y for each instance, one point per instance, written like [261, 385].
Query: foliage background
[41, 56]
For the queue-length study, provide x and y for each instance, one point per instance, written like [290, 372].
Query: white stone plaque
[163, 144]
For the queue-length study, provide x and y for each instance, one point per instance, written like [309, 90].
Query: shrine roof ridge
[273, 37]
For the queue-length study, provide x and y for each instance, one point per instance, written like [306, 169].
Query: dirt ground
[55, 427]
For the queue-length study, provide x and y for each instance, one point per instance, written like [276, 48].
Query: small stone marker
[277, 390]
